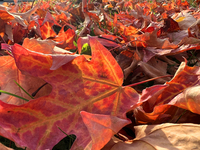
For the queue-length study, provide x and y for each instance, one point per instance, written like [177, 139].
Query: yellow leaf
[180, 19]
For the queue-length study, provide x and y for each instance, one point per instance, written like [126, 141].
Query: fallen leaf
[176, 37]
[184, 19]
[194, 28]
[18, 33]
[65, 39]
[154, 41]
[48, 18]
[2, 28]
[152, 72]
[189, 40]
[47, 31]
[10, 73]
[48, 47]
[164, 136]
[125, 58]
[42, 46]
[8, 31]
[157, 99]
[170, 25]
[27, 15]
[98, 89]
[84, 95]
[188, 99]
[5, 16]
[101, 125]
[2, 7]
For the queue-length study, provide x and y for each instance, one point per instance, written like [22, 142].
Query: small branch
[33, 3]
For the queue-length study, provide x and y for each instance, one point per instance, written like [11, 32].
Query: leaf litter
[83, 61]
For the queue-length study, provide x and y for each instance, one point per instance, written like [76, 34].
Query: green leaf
[86, 49]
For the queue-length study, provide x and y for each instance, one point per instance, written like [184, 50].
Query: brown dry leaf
[152, 51]
[177, 36]
[189, 40]
[18, 33]
[154, 41]
[154, 70]
[2, 7]
[27, 15]
[194, 28]
[2, 27]
[97, 31]
[158, 64]
[135, 59]
[166, 136]
[87, 18]
[184, 19]
[8, 31]
[125, 58]
[17, 18]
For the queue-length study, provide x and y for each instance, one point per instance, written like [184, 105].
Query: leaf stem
[181, 116]
[134, 84]
[32, 3]
[108, 39]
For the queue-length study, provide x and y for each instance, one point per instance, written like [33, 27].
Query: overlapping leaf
[9, 74]
[164, 136]
[93, 86]
[65, 39]
[47, 31]
[101, 125]
[160, 97]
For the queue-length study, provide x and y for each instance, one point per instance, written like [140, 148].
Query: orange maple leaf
[47, 31]
[161, 98]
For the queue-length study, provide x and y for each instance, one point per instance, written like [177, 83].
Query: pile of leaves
[117, 74]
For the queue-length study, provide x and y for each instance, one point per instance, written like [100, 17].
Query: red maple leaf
[94, 86]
